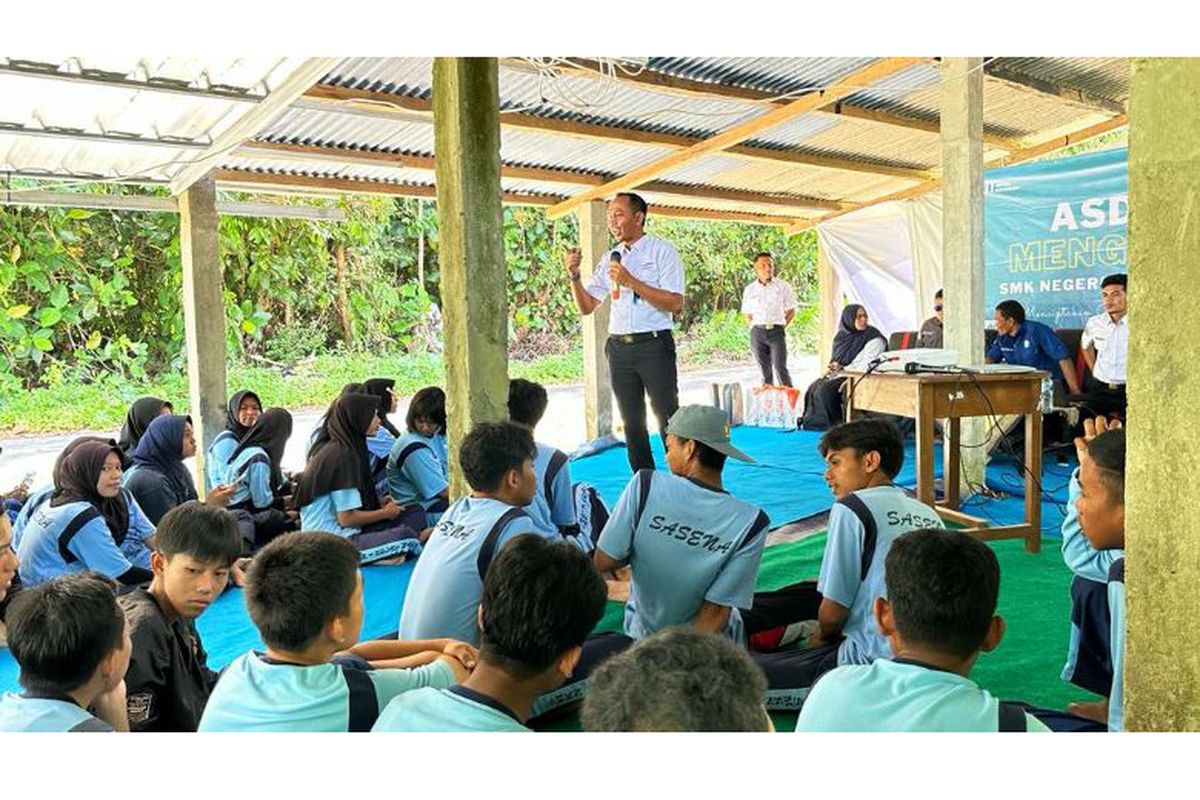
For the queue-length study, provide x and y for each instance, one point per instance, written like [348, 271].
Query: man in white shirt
[768, 306]
[1105, 344]
[643, 275]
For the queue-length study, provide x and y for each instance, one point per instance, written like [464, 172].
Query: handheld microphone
[615, 258]
[913, 368]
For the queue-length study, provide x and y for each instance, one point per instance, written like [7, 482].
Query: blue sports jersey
[415, 472]
[553, 504]
[45, 715]
[1116, 610]
[216, 460]
[1033, 345]
[852, 573]
[321, 513]
[74, 537]
[258, 695]
[686, 544]
[256, 489]
[447, 583]
[447, 710]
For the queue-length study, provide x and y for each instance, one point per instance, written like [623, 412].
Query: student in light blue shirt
[304, 594]
[255, 472]
[379, 444]
[541, 598]
[553, 506]
[938, 615]
[89, 522]
[416, 468]
[242, 412]
[447, 583]
[70, 639]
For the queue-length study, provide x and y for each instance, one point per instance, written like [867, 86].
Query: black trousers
[1100, 400]
[769, 347]
[638, 369]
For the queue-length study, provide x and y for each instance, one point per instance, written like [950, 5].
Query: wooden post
[1162, 537]
[830, 309]
[203, 314]
[597, 383]
[466, 102]
[421, 244]
[962, 236]
[343, 296]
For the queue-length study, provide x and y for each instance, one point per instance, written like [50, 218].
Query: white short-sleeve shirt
[1111, 340]
[653, 261]
[768, 303]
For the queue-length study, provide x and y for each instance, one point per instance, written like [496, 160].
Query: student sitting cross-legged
[70, 639]
[862, 459]
[939, 613]
[168, 683]
[305, 595]
[261, 488]
[677, 680]
[553, 506]
[416, 466]
[447, 583]
[541, 598]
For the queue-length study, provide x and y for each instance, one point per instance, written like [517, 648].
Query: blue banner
[1052, 231]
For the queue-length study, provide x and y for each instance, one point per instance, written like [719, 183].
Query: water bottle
[1046, 405]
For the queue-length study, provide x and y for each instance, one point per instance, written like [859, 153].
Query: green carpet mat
[1035, 602]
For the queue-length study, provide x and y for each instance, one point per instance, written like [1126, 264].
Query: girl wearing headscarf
[416, 467]
[380, 444]
[88, 522]
[855, 345]
[158, 479]
[260, 487]
[336, 493]
[43, 492]
[143, 411]
[241, 413]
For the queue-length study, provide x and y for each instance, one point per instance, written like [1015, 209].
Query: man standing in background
[768, 306]
[1105, 346]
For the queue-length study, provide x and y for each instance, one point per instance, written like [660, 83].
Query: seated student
[1032, 344]
[541, 599]
[8, 571]
[89, 522]
[261, 488]
[337, 494]
[931, 333]
[443, 594]
[379, 444]
[553, 506]
[140, 415]
[242, 412]
[678, 680]
[169, 681]
[855, 345]
[158, 480]
[939, 613]
[416, 468]
[694, 549]
[42, 493]
[305, 595]
[70, 639]
[862, 459]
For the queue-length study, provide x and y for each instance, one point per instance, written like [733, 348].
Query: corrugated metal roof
[782, 76]
[1102, 77]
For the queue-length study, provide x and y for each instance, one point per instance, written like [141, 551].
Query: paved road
[562, 426]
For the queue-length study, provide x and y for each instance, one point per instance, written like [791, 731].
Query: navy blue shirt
[1033, 345]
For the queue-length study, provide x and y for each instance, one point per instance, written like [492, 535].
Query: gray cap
[708, 425]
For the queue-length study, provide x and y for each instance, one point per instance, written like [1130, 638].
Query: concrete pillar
[962, 233]
[203, 314]
[466, 102]
[1162, 536]
[829, 312]
[597, 383]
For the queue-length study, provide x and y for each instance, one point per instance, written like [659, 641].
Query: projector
[894, 360]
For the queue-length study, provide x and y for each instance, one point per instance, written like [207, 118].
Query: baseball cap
[708, 425]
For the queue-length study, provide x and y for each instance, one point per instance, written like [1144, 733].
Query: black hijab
[270, 432]
[382, 388]
[231, 413]
[140, 415]
[75, 481]
[342, 460]
[161, 449]
[321, 431]
[849, 341]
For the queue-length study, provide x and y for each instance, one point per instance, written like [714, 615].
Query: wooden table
[928, 397]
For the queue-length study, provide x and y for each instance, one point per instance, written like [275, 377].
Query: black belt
[768, 327]
[1113, 387]
[634, 338]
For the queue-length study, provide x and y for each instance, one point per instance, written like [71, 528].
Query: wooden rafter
[853, 82]
[998, 72]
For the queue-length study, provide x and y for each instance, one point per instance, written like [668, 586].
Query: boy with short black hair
[553, 506]
[305, 595]
[939, 613]
[70, 639]
[168, 682]
[447, 583]
[541, 599]
[678, 680]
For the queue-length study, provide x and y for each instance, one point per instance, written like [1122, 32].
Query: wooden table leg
[952, 461]
[924, 435]
[1033, 493]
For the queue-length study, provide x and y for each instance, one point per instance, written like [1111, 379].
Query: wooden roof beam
[998, 72]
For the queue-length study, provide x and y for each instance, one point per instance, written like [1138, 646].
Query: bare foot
[624, 574]
[618, 590]
[390, 562]
[1096, 710]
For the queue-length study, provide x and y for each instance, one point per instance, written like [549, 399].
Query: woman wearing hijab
[158, 479]
[143, 411]
[89, 522]
[855, 345]
[337, 494]
[40, 495]
[241, 413]
[380, 444]
[260, 488]
[416, 467]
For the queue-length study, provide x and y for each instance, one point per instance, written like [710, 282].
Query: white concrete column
[597, 383]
